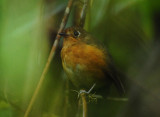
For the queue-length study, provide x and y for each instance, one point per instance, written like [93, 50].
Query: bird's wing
[114, 76]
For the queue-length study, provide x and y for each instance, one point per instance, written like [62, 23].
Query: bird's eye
[76, 33]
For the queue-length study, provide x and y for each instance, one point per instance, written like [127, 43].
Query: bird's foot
[86, 92]
[82, 92]
[92, 97]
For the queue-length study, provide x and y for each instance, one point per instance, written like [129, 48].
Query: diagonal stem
[51, 55]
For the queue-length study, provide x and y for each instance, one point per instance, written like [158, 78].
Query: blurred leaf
[23, 45]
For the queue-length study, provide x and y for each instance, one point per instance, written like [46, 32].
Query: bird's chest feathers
[83, 63]
[72, 60]
[82, 57]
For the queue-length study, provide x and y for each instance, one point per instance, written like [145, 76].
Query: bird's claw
[83, 91]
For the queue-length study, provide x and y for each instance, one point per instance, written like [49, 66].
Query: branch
[84, 102]
[117, 99]
[94, 96]
[51, 55]
[80, 13]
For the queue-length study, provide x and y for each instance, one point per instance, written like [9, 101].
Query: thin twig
[117, 99]
[80, 13]
[84, 102]
[109, 98]
[83, 13]
[51, 55]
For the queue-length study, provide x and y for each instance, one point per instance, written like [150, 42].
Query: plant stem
[51, 55]
[84, 102]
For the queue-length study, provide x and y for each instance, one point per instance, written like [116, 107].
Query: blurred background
[130, 29]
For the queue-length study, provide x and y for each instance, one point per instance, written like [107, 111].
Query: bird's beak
[63, 34]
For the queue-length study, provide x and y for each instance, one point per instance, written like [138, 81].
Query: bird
[87, 64]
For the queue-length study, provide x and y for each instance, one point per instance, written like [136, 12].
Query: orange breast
[86, 58]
